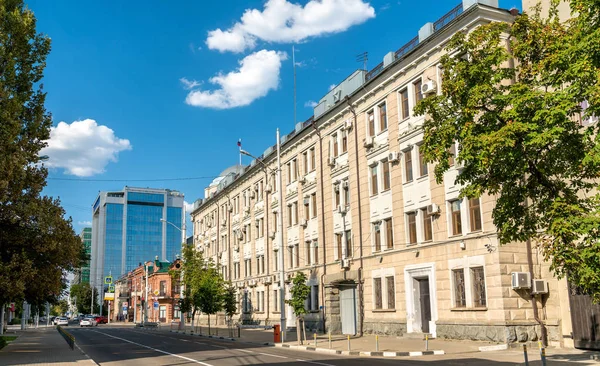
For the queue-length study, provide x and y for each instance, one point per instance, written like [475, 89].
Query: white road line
[86, 355]
[316, 363]
[155, 350]
[214, 345]
[270, 354]
[243, 350]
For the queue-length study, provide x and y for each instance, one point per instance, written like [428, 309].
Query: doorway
[421, 301]
[348, 309]
[424, 303]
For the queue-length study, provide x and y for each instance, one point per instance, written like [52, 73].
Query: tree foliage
[37, 244]
[229, 300]
[81, 294]
[515, 113]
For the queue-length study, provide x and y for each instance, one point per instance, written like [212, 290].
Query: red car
[101, 319]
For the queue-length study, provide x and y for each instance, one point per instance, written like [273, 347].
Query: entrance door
[348, 309]
[425, 304]
[585, 316]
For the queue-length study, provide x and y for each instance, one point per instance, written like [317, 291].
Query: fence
[67, 336]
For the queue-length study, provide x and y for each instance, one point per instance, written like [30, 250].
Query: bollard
[426, 342]
[282, 336]
[329, 339]
[542, 353]
[315, 337]
[239, 331]
[348, 343]
[525, 355]
[376, 343]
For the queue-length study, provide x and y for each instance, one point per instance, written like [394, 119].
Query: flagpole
[294, 62]
[240, 148]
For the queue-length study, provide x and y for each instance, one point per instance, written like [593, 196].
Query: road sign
[108, 280]
[156, 292]
[109, 296]
[111, 288]
[156, 304]
[125, 308]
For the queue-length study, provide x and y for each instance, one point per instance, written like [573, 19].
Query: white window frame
[383, 273]
[466, 263]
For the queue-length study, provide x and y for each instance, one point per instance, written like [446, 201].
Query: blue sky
[135, 77]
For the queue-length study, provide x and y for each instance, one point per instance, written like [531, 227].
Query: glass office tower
[132, 226]
[82, 275]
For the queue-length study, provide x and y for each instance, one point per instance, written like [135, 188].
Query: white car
[88, 322]
[62, 321]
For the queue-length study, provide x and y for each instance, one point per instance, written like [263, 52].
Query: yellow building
[386, 249]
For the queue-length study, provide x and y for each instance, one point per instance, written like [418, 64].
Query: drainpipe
[266, 236]
[361, 312]
[323, 235]
[544, 335]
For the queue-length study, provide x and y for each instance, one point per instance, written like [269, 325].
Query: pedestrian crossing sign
[108, 280]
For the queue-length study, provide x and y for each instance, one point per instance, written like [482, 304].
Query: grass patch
[4, 340]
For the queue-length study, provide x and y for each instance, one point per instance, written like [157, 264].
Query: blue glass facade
[113, 239]
[173, 235]
[144, 232]
[145, 197]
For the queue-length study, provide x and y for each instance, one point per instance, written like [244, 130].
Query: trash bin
[277, 333]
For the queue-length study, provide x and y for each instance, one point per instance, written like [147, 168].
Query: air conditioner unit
[336, 187]
[267, 280]
[252, 194]
[246, 210]
[272, 235]
[368, 142]
[230, 208]
[341, 209]
[331, 161]
[539, 287]
[240, 285]
[345, 184]
[243, 229]
[433, 209]
[257, 222]
[256, 187]
[268, 188]
[520, 280]
[304, 223]
[201, 249]
[252, 283]
[393, 156]
[347, 124]
[224, 223]
[289, 277]
[278, 277]
[428, 87]
[302, 180]
[306, 201]
[345, 263]
[236, 247]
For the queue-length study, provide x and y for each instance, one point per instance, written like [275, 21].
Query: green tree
[30, 224]
[211, 288]
[60, 308]
[514, 112]
[81, 294]
[299, 293]
[193, 271]
[229, 304]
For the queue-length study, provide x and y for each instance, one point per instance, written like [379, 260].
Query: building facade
[82, 275]
[132, 225]
[386, 248]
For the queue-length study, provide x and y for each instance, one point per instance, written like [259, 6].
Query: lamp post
[279, 232]
[183, 239]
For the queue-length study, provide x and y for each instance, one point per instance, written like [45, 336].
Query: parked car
[92, 319]
[61, 320]
[86, 322]
[101, 319]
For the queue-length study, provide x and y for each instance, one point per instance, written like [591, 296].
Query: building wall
[383, 286]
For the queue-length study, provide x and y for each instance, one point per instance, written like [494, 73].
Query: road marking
[316, 363]
[85, 354]
[243, 350]
[270, 354]
[155, 349]
[214, 345]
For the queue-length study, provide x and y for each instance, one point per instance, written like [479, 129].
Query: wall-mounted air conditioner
[539, 287]
[347, 124]
[246, 210]
[268, 188]
[304, 223]
[302, 180]
[368, 142]
[345, 184]
[433, 209]
[272, 235]
[393, 156]
[341, 209]
[520, 280]
[428, 87]
[252, 194]
[345, 263]
[331, 161]
[267, 280]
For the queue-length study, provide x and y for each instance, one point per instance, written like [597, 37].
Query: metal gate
[348, 309]
[585, 317]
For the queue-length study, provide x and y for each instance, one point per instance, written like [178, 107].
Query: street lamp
[183, 240]
[279, 231]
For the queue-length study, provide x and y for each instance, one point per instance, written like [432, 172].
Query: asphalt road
[109, 345]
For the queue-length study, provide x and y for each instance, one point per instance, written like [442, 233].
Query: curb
[362, 353]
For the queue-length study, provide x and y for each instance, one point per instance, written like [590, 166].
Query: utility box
[277, 333]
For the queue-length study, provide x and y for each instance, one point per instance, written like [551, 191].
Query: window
[313, 202]
[276, 300]
[297, 255]
[391, 292]
[377, 291]
[374, 189]
[478, 280]
[404, 103]
[427, 226]
[290, 218]
[458, 276]
[295, 205]
[348, 243]
[313, 164]
[316, 252]
[418, 95]
[260, 264]
[456, 219]
[307, 208]
[408, 171]
[389, 233]
[248, 267]
[308, 257]
[338, 241]
[336, 190]
[163, 288]
[452, 154]
[386, 175]
[162, 312]
[422, 163]
[347, 195]
[475, 214]
[371, 123]
[344, 141]
[335, 145]
[412, 227]
[377, 236]
[382, 117]
[275, 221]
[305, 162]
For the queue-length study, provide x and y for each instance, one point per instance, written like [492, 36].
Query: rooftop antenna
[363, 57]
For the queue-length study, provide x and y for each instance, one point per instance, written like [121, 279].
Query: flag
[240, 143]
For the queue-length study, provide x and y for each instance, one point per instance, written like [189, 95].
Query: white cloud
[257, 75]
[332, 86]
[284, 22]
[189, 207]
[310, 104]
[83, 148]
[84, 223]
[190, 84]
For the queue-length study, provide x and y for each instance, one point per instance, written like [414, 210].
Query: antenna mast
[363, 57]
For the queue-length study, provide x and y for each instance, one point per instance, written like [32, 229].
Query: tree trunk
[298, 331]
[2, 307]
[208, 323]
[193, 318]
[304, 328]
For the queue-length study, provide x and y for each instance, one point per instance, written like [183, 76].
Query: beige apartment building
[387, 250]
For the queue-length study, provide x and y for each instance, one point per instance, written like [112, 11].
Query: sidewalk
[42, 346]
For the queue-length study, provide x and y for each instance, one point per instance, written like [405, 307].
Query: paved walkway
[42, 346]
